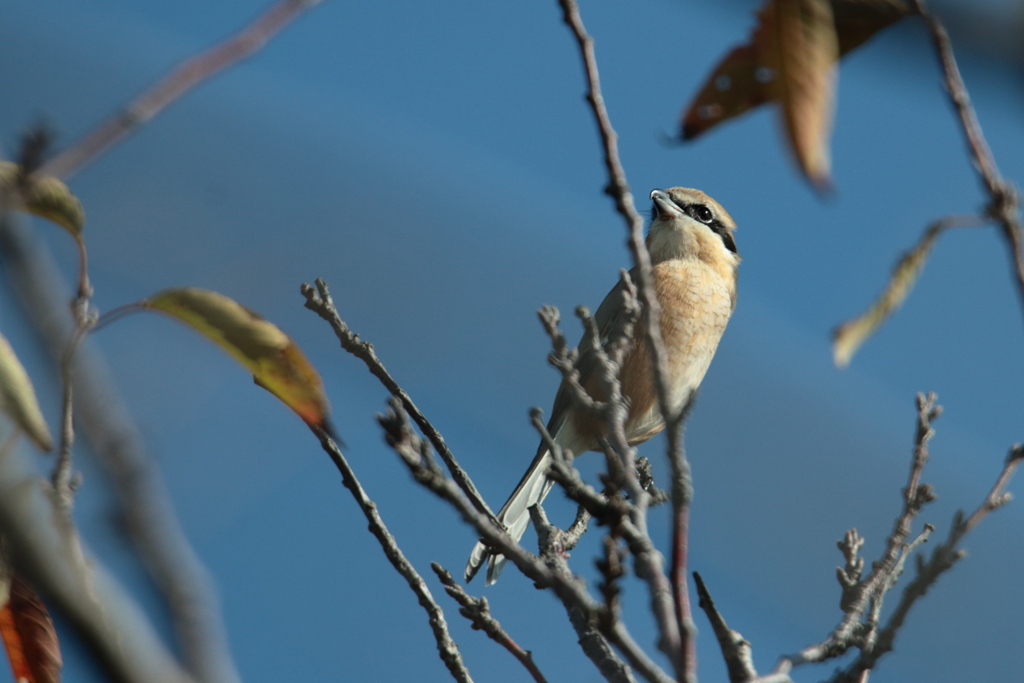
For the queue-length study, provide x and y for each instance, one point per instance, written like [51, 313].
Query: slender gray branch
[685, 655]
[571, 590]
[479, 614]
[943, 558]
[862, 599]
[858, 595]
[320, 302]
[446, 646]
[1004, 200]
[107, 426]
[738, 654]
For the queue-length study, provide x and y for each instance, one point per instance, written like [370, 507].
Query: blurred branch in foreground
[188, 75]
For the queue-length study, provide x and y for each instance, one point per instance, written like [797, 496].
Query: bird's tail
[515, 515]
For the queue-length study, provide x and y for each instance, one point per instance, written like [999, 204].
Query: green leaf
[42, 195]
[18, 397]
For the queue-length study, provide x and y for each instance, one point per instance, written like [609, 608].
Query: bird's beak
[663, 204]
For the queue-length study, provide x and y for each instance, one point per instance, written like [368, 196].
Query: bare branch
[569, 589]
[942, 559]
[188, 75]
[862, 600]
[46, 548]
[104, 420]
[1004, 200]
[63, 478]
[627, 519]
[735, 649]
[684, 657]
[446, 646]
[860, 596]
[479, 613]
[553, 543]
[320, 302]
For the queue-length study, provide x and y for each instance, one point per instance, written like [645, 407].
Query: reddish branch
[681, 643]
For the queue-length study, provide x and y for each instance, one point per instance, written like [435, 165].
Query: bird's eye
[702, 213]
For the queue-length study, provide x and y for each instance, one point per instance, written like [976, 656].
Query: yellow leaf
[42, 195]
[276, 362]
[849, 336]
[803, 53]
[18, 397]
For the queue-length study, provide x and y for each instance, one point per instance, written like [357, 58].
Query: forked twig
[479, 613]
[446, 646]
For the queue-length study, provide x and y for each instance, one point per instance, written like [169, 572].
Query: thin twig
[479, 614]
[553, 543]
[736, 650]
[569, 589]
[860, 595]
[320, 302]
[446, 646]
[684, 656]
[62, 478]
[114, 439]
[626, 519]
[942, 559]
[1004, 200]
[188, 75]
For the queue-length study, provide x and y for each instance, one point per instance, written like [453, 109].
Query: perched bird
[694, 261]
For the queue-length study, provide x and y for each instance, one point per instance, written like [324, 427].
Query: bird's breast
[696, 302]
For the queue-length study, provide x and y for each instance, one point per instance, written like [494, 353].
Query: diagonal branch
[479, 613]
[739, 659]
[570, 589]
[942, 559]
[446, 646]
[1004, 200]
[685, 654]
[188, 75]
[860, 596]
[320, 302]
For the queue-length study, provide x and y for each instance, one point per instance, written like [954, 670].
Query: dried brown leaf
[803, 55]
[743, 81]
[29, 636]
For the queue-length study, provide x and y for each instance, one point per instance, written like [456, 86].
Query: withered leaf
[42, 195]
[742, 81]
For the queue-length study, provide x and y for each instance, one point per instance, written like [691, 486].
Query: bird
[694, 264]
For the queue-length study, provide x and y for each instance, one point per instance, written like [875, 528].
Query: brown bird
[694, 261]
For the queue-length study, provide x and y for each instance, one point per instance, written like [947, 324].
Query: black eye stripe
[694, 211]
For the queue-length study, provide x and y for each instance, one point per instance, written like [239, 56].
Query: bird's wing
[608, 317]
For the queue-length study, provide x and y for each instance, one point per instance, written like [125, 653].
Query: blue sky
[435, 163]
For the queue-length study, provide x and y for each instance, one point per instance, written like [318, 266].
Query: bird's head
[686, 223]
